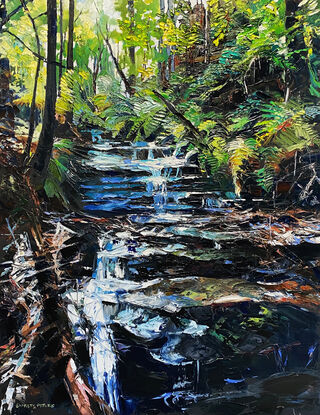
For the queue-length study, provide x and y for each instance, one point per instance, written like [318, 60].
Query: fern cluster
[249, 121]
[77, 97]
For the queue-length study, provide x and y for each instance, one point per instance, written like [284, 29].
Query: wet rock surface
[180, 299]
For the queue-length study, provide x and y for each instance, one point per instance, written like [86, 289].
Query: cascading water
[103, 356]
[156, 342]
[109, 272]
[157, 186]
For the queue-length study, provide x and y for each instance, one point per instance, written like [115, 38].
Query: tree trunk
[132, 52]
[41, 159]
[129, 89]
[207, 36]
[6, 108]
[3, 11]
[69, 114]
[163, 75]
[96, 67]
[61, 43]
[70, 35]
[162, 66]
[35, 85]
[6, 119]
[32, 117]
[171, 67]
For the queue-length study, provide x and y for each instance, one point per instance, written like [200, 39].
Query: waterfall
[104, 366]
[160, 195]
[102, 349]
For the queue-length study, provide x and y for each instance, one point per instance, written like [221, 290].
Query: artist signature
[34, 405]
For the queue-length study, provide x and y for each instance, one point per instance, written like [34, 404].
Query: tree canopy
[237, 81]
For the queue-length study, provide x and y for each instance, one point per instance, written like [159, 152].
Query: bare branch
[127, 85]
[11, 14]
[30, 50]
[40, 15]
[80, 13]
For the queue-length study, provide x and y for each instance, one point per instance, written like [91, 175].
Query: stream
[196, 304]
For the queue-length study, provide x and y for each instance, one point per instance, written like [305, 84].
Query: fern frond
[240, 150]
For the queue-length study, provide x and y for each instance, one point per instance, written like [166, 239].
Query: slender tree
[70, 35]
[96, 68]
[128, 86]
[40, 161]
[132, 52]
[207, 35]
[6, 16]
[162, 66]
[61, 40]
[69, 114]
[3, 10]
[35, 85]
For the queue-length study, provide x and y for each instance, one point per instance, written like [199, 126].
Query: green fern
[77, 96]
[266, 175]
[58, 171]
[240, 150]
[285, 126]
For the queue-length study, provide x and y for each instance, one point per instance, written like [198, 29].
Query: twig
[246, 74]
[40, 15]
[305, 192]
[78, 16]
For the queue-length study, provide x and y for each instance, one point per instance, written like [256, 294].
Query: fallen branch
[188, 124]
[197, 134]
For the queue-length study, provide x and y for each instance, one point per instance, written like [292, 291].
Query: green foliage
[215, 156]
[182, 37]
[265, 176]
[77, 96]
[240, 150]
[143, 115]
[58, 171]
[17, 43]
[233, 76]
[285, 126]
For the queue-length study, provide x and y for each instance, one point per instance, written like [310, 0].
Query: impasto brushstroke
[159, 207]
